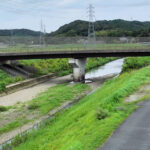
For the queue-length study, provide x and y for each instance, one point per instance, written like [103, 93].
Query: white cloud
[27, 13]
[66, 2]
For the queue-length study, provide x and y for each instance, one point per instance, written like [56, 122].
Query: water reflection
[113, 67]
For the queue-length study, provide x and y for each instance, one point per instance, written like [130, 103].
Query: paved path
[134, 133]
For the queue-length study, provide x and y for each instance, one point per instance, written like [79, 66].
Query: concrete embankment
[29, 91]
[25, 84]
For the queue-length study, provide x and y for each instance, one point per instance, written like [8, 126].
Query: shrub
[3, 108]
[102, 113]
[33, 106]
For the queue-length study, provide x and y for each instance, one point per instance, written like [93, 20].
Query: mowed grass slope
[87, 125]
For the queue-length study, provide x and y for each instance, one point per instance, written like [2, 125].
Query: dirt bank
[37, 89]
[28, 94]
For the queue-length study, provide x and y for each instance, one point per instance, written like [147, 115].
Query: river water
[113, 67]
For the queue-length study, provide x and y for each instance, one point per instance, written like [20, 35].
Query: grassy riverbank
[87, 125]
[132, 63]
[39, 106]
[61, 66]
[43, 67]
[5, 79]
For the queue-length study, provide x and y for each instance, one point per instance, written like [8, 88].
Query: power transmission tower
[11, 38]
[91, 29]
[42, 33]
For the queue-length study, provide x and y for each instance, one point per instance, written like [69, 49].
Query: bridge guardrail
[34, 44]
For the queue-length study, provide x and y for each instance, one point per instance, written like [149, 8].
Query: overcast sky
[55, 13]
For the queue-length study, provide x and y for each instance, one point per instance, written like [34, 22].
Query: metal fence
[35, 44]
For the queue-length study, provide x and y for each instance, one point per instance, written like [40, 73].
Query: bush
[33, 106]
[3, 108]
[102, 113]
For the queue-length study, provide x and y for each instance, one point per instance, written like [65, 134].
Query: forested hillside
[19, 32]
[111, 28]
[105, 28]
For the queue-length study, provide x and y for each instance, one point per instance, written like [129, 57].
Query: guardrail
[32, 44]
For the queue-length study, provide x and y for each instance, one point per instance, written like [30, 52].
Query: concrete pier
[78, 69]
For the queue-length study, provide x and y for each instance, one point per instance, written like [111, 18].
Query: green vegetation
[135, 63]
[89, 123]
[42, 105]
[19, 32]
[112, 28]
[55, 96]
[61, 66]
[5, 79]
[12, 125]
[77, 47]
[3, 108]
[79, 28]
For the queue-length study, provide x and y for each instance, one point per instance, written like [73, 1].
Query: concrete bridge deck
[73, 54]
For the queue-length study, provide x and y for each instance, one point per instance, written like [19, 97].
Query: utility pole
[11, 37]
[91, 29]
[42, 33]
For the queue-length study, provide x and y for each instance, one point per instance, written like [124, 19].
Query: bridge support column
[9, 62]
[78, 69]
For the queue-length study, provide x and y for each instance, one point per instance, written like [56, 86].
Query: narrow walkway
[134, 133]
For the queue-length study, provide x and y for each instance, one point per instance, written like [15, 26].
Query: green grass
[61, 66]
[5, 79]
[135, 63]
[55, 96]
[79, 128]
[44, 103]
[12, 125]
[75, 47]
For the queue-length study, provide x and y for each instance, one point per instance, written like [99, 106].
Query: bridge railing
[27, 44]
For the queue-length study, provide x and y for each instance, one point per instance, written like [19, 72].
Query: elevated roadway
[73, 54]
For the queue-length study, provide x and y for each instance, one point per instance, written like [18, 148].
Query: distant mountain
[112, 28]
[105, 28]
[19, 32]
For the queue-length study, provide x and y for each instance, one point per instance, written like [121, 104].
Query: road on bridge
[134, 133]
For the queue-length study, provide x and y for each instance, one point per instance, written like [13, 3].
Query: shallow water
[113, 67]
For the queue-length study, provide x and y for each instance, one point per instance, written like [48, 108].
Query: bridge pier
[78, 69]
[9, 62]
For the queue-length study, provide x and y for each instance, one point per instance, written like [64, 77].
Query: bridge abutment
[78, 69]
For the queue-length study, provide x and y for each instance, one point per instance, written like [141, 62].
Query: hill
[105, 28]
[19, 32]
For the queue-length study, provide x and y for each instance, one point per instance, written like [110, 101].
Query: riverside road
[134, 133]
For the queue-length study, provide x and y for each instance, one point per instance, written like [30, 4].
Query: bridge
[78, 57]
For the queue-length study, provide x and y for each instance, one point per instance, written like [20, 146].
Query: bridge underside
[74, 54]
